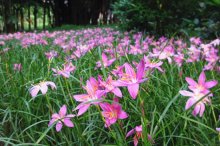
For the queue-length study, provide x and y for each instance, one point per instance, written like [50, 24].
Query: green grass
[24, 121]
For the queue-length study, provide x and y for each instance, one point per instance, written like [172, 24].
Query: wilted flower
[105, 61]
[138, 134]
[61, 118]
[17, 66]
[42, 86]
[65, 72]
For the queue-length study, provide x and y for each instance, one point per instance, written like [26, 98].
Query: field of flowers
[104, 87]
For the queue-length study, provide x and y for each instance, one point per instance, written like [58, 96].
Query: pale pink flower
[200, 90]
[153, 64]
[61, 118]
[50, 55]
[202, 85]
[195, 97]
[42, 86]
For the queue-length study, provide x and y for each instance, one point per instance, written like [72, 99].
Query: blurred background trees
[157, 17]
[16, 14]
[160, 17]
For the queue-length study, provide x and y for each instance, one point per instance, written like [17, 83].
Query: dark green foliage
[160, 17]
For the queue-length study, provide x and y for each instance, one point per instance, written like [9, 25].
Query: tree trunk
[35, 16]
[44, 15]
[49, 16]
[8, 24]
[22, 18]
[29, 16]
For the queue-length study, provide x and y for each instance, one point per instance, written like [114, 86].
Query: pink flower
[109, 87]
[195, 97]
[200, 90]
[17, 67]
[138, 134]
[93, 96]
[42, 86]
[151, 64]
[61, 118]
[132, 79]
[105, 61]
[112, 112]
[65, 72]
[50, 55]
[201, 86]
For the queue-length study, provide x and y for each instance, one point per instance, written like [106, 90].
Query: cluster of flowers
[75, 44]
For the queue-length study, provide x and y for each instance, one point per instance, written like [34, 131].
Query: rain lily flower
[151, 64]
[50, 55]
[65, 72]
[112, 112]
[218, 129]
[195, 97]
[138, 134]
[109, 87]
[42, 86]
[17, 67]
[132, 79]
[61, 118]
[93, 96]
[200, 90]
[105, 61]
[167, 53]
[202, 85]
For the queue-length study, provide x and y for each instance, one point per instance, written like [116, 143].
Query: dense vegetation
[93, 86]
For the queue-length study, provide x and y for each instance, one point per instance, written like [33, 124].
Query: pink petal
[189, 103]
[190, 81]
[59, 126]
[218, 129]
[133, 90]
[51, 122]
[105, 106]
[56, 116]
[83, 109]
[135, 140]
[68, 122]
[81, 97]
[186, 93]
[211, 84]
[119, 83]
[34, 90]
[196, 110]
[122, 115]
[129, 70]
[104, 58]
[62, 111]
[140, 70]
[202, 78]
[51, 84]
[117, 92]
[130, 133]
[44, 89]
[202, 109]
